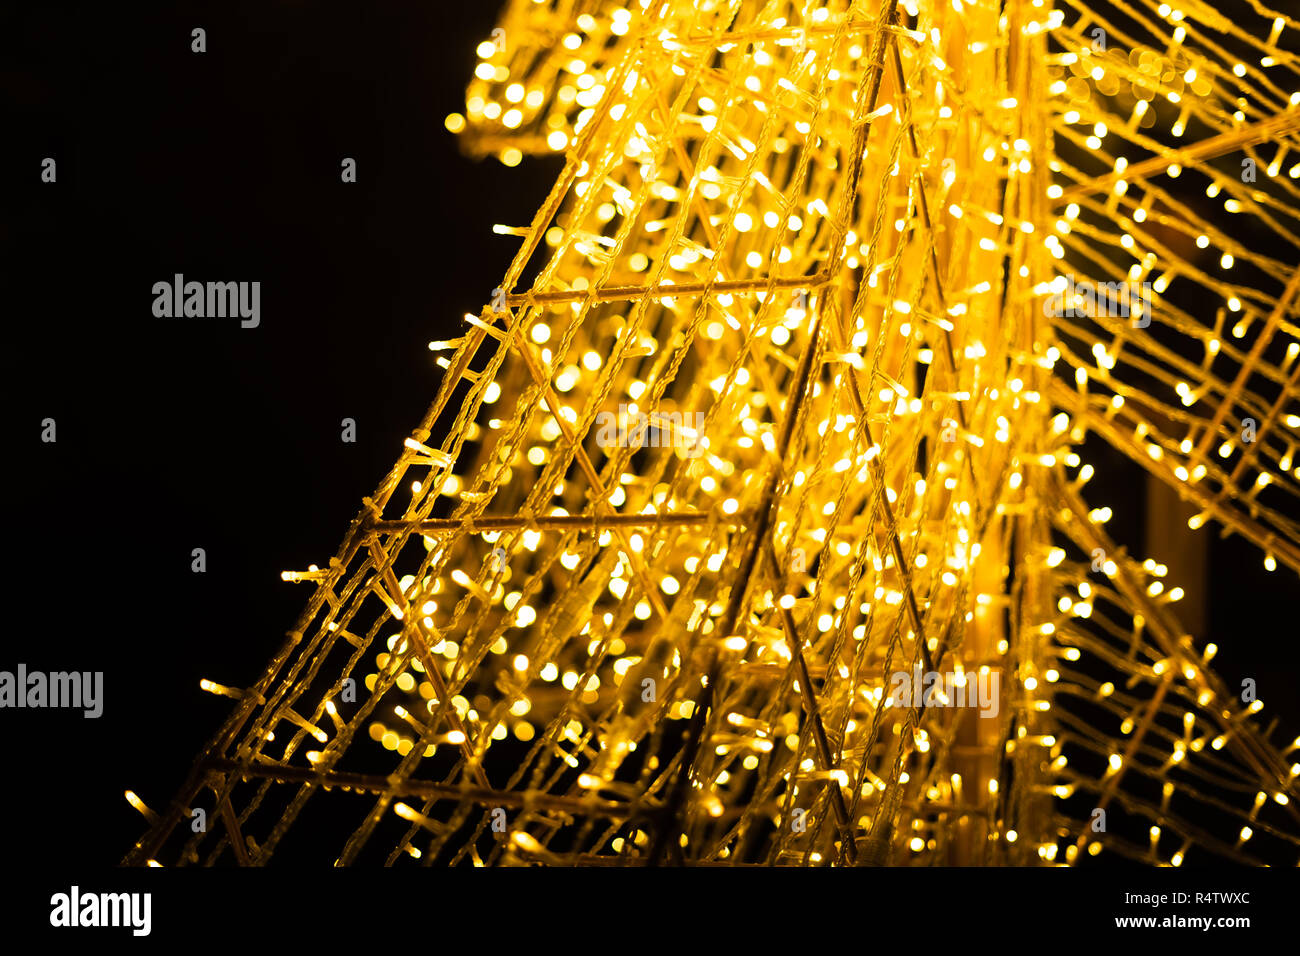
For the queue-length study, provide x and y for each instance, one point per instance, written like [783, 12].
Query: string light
[793, 407]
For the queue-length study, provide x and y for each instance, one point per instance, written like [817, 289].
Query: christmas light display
[751, 527]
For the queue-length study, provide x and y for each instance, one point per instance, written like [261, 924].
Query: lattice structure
[790, 411]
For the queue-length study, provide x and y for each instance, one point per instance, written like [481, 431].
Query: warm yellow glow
[863, 311]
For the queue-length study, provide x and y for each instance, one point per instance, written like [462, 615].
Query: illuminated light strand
[743, 230]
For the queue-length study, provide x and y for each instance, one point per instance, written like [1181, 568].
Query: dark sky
[176, 434]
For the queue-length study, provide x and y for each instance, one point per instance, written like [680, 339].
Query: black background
[177, 434]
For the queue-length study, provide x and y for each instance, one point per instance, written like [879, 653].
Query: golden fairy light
[751, 528]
